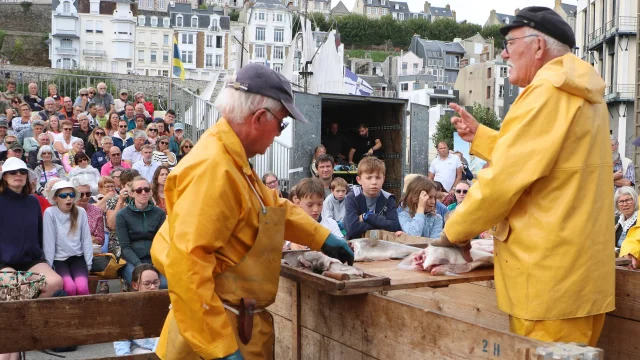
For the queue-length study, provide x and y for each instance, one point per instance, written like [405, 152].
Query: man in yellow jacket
[548, 187]
[221, 245]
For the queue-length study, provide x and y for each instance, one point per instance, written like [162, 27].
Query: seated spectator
[334, 205]
[67, 108]
[9, 140]
[271, 180]
[32, 156]
[626, 203]
[117, 203]
[101, 157]
[53, 93]
[15, 150]
[129, 116]
[121, 101]
[106, 191]
[319, 150]
[162, 128]
[94, 142]
[53, 128]
[112, 124]
[94, 214]
[141, 111]
[74, 119]
[152, 134]
[82, 100]
[368, 207]
[115, 174]
[44, 203]
[23, 121]
[157, 186]
[35, 102]
[4, 131]
[624, 172]
[136, 226]
[102, 97]
[31, 143]
[20, 224]
[325, 164]
[461, 190]
[417, 210]
[145, 277]
[50, 109]
[162, 154]
[83, 130]
[115, 159]
[139, 120]
[27, 133]
[48, 169]
[147, 105]
[293, 196]
[132, 154]
[441, 209]
[121, 138]
[146, 166]
[92, 113]
[68, 159]
[101, 117]
[177, 138]
[185, 148]
[67, 239]
[63, 144]
[85, 171]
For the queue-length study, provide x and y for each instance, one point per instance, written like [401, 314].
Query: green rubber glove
[337, 248]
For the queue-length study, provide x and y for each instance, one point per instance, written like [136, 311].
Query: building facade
[64, 40]
[318, 6]
[484, 84]
[400, 10]
[606, 37]
[441, 59]
[500, 19]
[568, 12]
[477, 49]
[268, 33]
[439, 12]
[154, 43]
[339, 10]
[373, 9]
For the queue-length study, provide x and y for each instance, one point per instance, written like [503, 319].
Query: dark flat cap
[544, 20]
[259, 79]
[15, 146]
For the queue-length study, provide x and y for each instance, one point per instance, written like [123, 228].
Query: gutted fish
[320, 263]
[378, 250]
[449, 260]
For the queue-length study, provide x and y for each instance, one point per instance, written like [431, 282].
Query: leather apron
[256, 277]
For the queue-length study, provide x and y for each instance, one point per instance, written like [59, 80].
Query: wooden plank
[151, 356]
[627, 294]
[283, 331]
[57, 322]
[619, 338]
[417, 241]
[295, 322]
[370, 283]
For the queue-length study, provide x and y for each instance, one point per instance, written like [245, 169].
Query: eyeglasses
[164, 143]
[92, 93]
[110, 187]
[115, 155]
[122, 126]
[458, 191]
[81, 160]
[85, 194]
[9, 142]
[71, 195]
[507, 42]
[67, 129]
[148, 284]
[625, 201]
[140, 190]
[154, 130]
[16, 172]
[272, 182]
[283, 124]
[100, 133]
[187, 147]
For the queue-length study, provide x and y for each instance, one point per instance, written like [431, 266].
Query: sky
[474, 11]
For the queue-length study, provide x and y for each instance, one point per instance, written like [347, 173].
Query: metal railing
[95, 53]
[421, 71]
[66, 51]
[620, 92]
[197, 113]
[275, 160]
[623, 24]
[384, 93]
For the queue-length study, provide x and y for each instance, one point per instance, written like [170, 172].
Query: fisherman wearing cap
[548, 187]
[220, 247]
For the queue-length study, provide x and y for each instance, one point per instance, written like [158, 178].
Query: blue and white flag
[354, 85]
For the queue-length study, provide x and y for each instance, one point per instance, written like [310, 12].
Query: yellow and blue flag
[178, 66]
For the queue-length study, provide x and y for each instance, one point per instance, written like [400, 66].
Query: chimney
[290, 6]
[518, 10]
[427, 7]
[453, 12]
[448, 7]
[558, 2]
[225, 10]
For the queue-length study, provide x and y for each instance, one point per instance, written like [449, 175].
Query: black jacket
[384, 218]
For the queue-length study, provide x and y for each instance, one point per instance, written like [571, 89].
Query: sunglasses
[140, 190]
[66, 129]
[19, 171]
[92, 93]
[85, 194]
[99, 133]
[122, 126]
[154, 130]
[9, 142]
[84, 94]
[71, 195]
[164, 143]
[81, 160]
[187, 147]
[458, 191]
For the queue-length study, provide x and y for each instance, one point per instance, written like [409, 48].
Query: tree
[443, 29]
[18, 49]
[493, 31]
[444, 128]
[3, 34]
[319, 21]
[233, 15]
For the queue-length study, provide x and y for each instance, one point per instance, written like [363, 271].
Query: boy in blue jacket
[368, 207]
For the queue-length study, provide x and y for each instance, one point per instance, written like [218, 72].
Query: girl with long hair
[185, 147]
[94, 143]
[157, 186]
[53, 128]
[112, 124]
[417, 210]
[67, 243]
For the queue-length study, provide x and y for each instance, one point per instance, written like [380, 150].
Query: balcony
[452, 65]
[618, 25]
[619, 93]
[384, 93]
[66, 51]
[94, 53]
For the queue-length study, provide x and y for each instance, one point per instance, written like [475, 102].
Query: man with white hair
[231, 252]
[103, 98]
[50, 110]
[547, 187]
[624, 172]
[132, 154]
[33, 99]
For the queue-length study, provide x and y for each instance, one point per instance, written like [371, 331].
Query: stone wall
[30, 25]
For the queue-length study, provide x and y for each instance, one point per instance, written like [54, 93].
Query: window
[141, 20]
[150, 4]
[187, 57]
[219, 42]
[278, 52]
[295, 3]
[154, 37]
[66, 7]
[488, 92]
[209, 41]
[187, 38]
[89, 26]
[375, 11]
[194, 21]
[404, 66]
[165, 57]
[129, 64]
[400, 16]
[165, 73]
[383, 2]
[161, 5]
[154, 21]
[416, 85]
[179, 20]
[114, 66]
[278, 35]
[140, 55]
[165, 22]
[369, 2]
[503, 72]
[259, 51]
[218, 61]
[510, 90]
[279, 17]
[165, 39]
[488, 73]
[141, 37]
[404, 87]
[368, 10]
[140, 2]
[415, 66]
[66, 43]
[260, 34]
[209, 60]
[214, 24]
[500, 91]
[154, 57]
[261, 15]
[277, 68]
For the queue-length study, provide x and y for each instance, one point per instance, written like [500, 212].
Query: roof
[204, 20]
[402, 7]
[503, 18]
[269, 4]
[147, 17]
[569, 9]
[377, 3]
[441, 11]
[434, 48]
[338, 9]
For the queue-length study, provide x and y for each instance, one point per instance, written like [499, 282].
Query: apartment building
[439, 12]
[477, 49]
[441, 59]
[319, 6]
[268, 33]
[373, 9]
[154, 42]
[64, 40]
[406, 73]
[203, 39]
[400, 10]
[567, 12]
[606, 37]
[500, 19]
[483, 83]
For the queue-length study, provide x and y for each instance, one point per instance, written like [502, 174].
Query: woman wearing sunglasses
[85, 171]
[67, 239]
[94, 214]
[152, 134]
[185, 148]
[136, 226]
[162, 154]
[94, 143]
[460, 192]
[47, 169]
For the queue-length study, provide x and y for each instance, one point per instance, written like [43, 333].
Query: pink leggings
[75, 275]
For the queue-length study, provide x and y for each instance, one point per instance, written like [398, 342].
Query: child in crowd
[417, 210]
[145, 277]
[293, 197]
[334, 205]
[441, 209]
[67, 243]
[319, 150]
[368, 207]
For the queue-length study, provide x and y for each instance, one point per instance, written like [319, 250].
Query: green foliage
[234, 15]
[376, 55]
[493, 31]
[3, 35]
[319, 21]
[18, 49]
[26, 6]
[202, 7]
[444, 128]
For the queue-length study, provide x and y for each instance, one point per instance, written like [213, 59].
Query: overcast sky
[475, 11]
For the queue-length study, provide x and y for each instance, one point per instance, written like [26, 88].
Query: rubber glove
[337, 248]
[235, 356]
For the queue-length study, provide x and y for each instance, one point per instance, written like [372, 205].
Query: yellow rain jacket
[549, 190]
[631, 243]
[212, 222]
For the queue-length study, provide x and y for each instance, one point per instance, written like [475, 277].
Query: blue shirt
[425, 225]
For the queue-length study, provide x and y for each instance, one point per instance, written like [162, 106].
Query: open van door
[305, 136]
[419, 140]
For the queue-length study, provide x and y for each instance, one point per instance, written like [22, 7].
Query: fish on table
[320, 263]
[379, 250]
[449, 260]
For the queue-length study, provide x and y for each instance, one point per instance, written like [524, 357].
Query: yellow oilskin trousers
[585, 330]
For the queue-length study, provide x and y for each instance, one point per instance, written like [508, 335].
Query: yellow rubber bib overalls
[255, 277]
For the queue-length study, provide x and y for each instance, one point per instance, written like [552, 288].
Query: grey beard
[615, 156]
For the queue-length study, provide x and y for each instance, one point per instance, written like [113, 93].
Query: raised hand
[466, 125]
